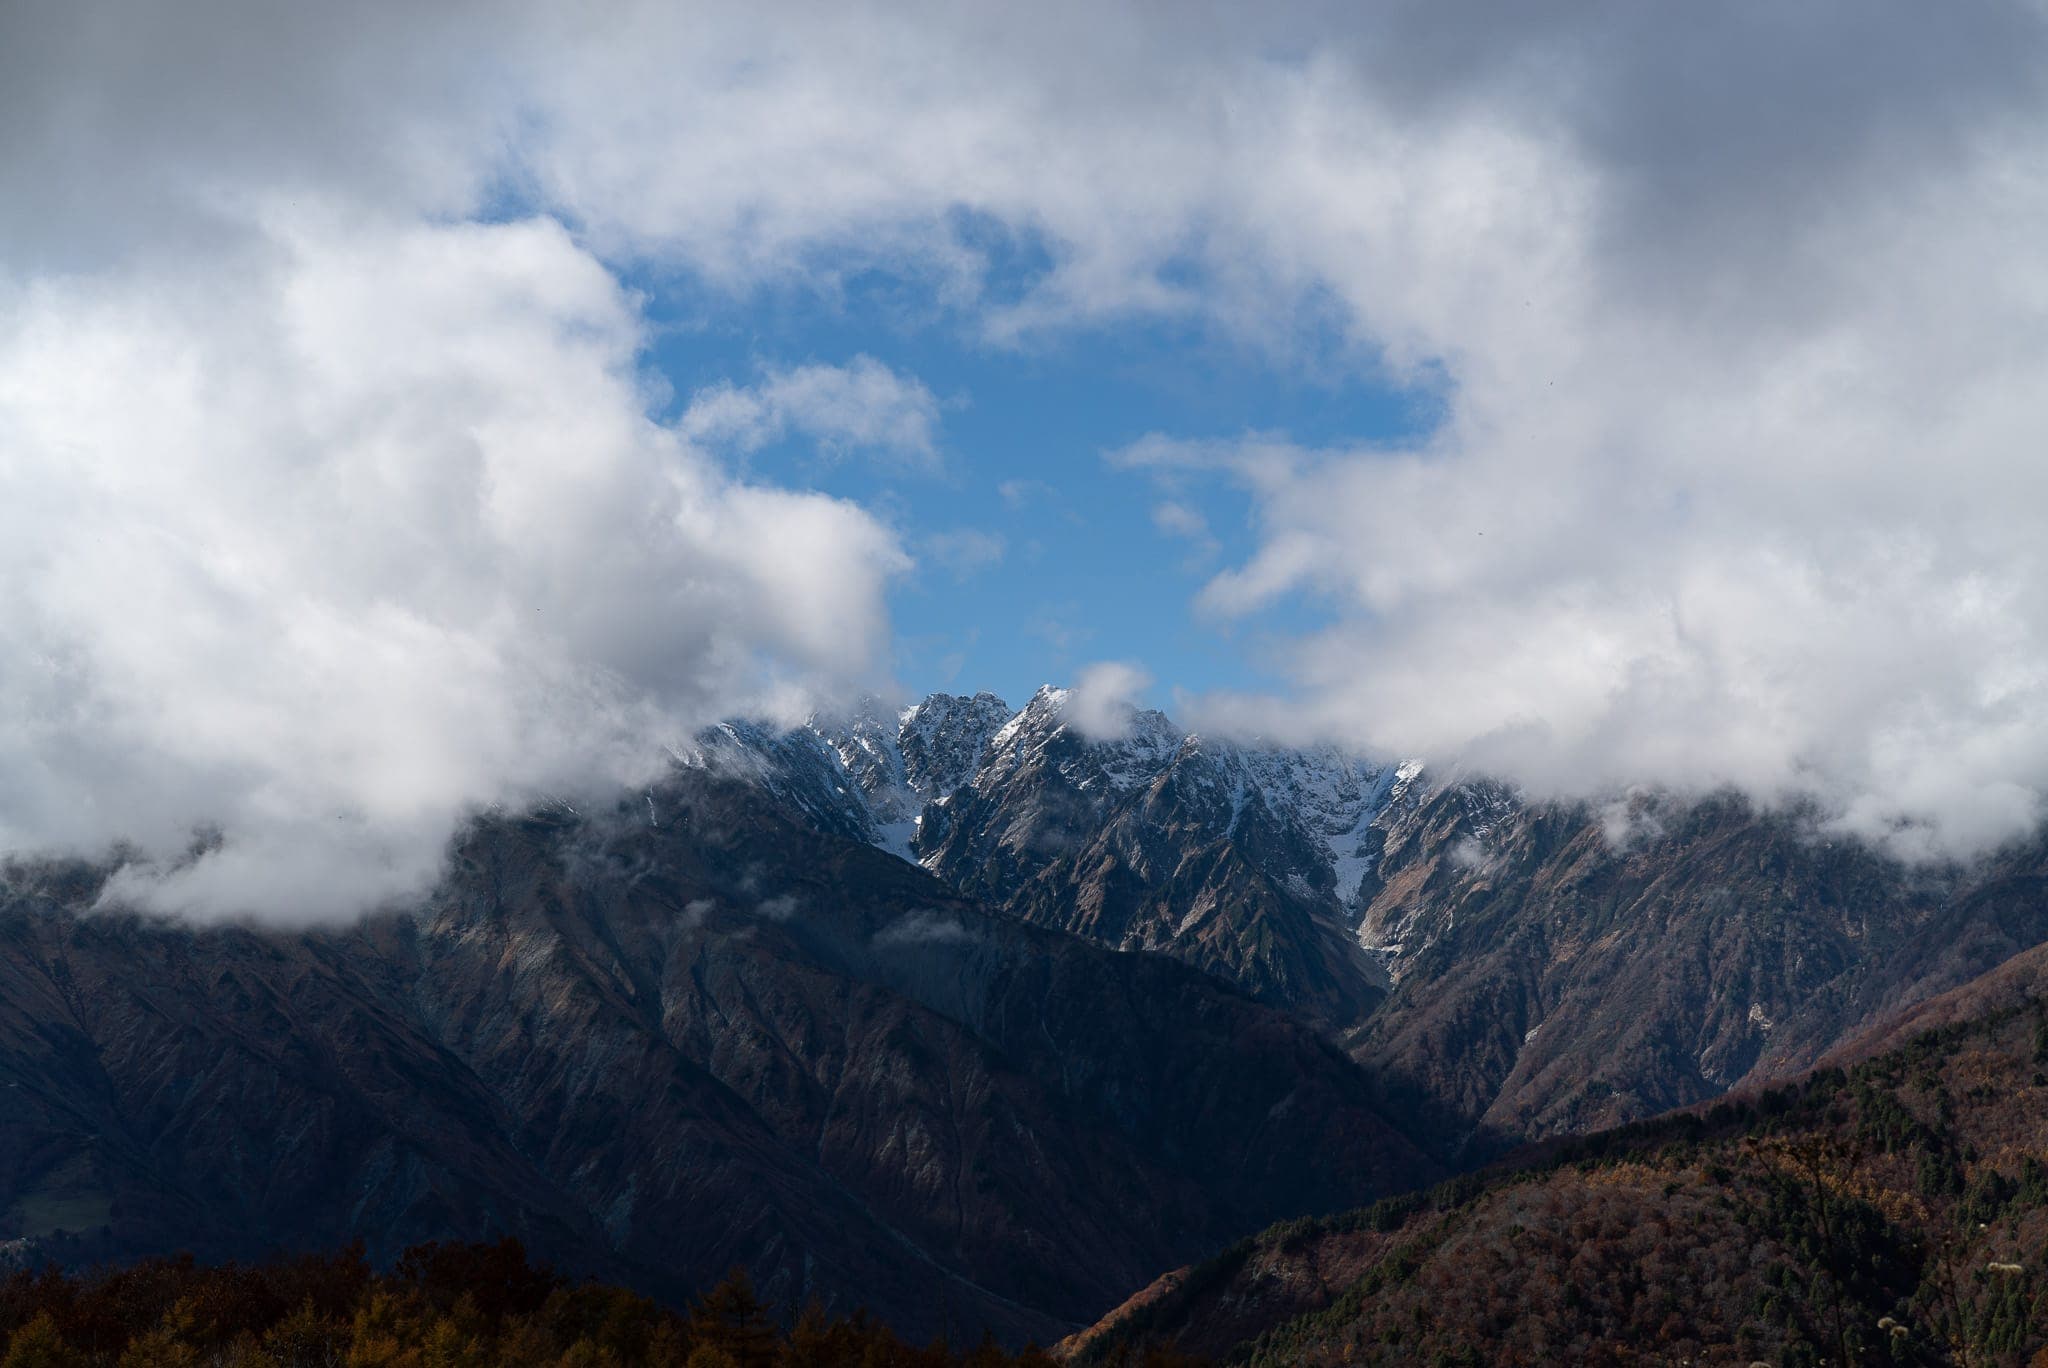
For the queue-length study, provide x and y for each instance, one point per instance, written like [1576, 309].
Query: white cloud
[860, 406]
[324, 546]
[1104, 696]
[966, 551]
[1177, 519]
[925, 927]
[780, 909]
[1017, 493]
[1738, 478]
[1184, 521]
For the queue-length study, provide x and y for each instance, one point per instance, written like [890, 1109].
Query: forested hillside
[1894, 1210]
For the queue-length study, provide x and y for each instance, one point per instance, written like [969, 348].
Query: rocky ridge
[657, 1042]
[1505, 969]
[1244, 860]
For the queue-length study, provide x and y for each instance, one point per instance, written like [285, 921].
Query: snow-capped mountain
[943, 740]
[1505, 969]
[1247, 860]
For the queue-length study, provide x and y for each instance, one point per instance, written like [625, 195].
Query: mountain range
[1246, 861]
[979, 1017]
[1504, 969]
[655, 1043]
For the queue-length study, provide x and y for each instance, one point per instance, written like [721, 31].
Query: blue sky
[1085, 573]
[328, 341]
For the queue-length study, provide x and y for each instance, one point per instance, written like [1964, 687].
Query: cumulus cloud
[318, 547]
[1737, 482]
[1104, 697]
[862, 406]
[329, 500]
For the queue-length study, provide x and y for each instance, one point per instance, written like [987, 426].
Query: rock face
[1243, 861]
[692, 1033]
[1553, 975]
[1505, 970]
[944, 739]
[1226, 857]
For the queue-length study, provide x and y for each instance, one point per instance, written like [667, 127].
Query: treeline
[442, 1306]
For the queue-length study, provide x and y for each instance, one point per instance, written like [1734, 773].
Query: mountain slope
[688, 1034]
[1241, 860]
[1551, 979]
[1158, 840]
[1505, 969]
[1893, 1212]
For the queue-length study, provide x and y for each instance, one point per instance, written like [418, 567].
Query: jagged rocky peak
[1129, 753]
[865, 739]
[942, 741]
[1334, 797]
[1248, 858]
[878, 768]
[801, 766]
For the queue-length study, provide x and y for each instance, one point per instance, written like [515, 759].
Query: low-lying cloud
[1104, 699]
[925, 927]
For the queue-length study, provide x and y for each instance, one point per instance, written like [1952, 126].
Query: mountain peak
[943, 739]
[987, 797]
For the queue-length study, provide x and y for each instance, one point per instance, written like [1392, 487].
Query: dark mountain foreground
[1892, 1208]
[442, 1306]
[656, 1044]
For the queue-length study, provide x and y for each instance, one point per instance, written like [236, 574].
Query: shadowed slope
[687, 1035]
